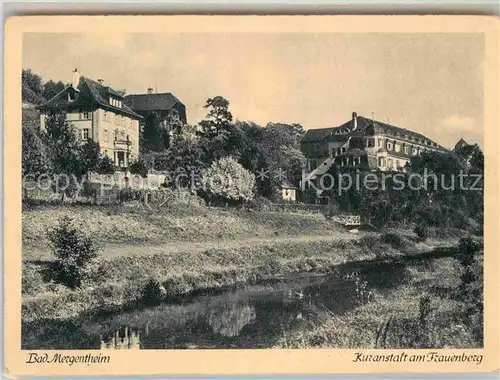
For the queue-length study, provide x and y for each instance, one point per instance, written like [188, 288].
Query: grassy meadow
[195, 249]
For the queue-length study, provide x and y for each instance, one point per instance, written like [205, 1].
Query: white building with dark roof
[363, 142]
[98, 112]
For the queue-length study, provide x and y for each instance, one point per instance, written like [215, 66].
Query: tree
[32, 81]
[227, 180]
[435, 197]
[140, 168]
[153, 138]
[69, 158]
[281, 149]
[218, 119]
[35, 160]
[51, 89]
[89, 156]
[31, 87]
[183, 160]
[105, 165]
[74, 251]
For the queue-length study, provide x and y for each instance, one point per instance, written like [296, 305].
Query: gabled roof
[460, 144]
[89, 93]
[347, 130]
[151, 102]
[287, 185]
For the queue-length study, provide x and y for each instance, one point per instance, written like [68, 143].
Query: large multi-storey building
[365, 143]
[99, 113]
[164, 108]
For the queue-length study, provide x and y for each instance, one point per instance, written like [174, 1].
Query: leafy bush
[139, 167]
[470, 290]
[153, 293]
[32, 279]
[74, 250]
[422, 231]
[128, 194]
[392, 238]
[226, 179]
[105, 165]
[467, 248]
[260, 203]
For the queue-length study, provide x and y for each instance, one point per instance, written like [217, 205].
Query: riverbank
[120, 281]
[188, 248]
[134, 225]
[426, 312]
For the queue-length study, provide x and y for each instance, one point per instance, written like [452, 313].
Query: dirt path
[116, 250]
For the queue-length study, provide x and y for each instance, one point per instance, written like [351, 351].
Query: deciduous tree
[227, 180]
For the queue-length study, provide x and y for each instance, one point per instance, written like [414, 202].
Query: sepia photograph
[294, 189]
[252, 191]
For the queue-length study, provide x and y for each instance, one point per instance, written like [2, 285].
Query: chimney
[76, 78]
[101, 81]
[354, 121]
[150, 90]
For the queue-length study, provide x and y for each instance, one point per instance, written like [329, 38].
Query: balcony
[121, 143]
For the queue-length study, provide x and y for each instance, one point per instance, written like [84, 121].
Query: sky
[429, 83]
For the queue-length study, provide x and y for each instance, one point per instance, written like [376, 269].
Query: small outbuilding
[288, 192]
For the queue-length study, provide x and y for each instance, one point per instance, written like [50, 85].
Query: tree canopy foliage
[227, 180]
[438, 189]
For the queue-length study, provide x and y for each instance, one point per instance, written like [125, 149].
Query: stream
[253, 316]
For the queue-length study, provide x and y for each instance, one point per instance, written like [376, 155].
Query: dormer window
[115, 102]
[71, 96]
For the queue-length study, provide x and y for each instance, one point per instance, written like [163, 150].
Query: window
[397, 147]
[369, 143]
[414, 151]
[389, 146]
[106, 135]
[343, 149]
[379, 142]
[389, 162]
[85, 134]
[406, 149]
[356, 161]
[381, 161]
[71, 96]
[86, 115]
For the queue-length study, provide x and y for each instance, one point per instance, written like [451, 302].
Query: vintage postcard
[250, 194]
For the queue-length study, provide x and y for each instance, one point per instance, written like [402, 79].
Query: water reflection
[123, 339]
[230, 319]
[250, 317]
